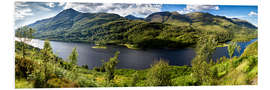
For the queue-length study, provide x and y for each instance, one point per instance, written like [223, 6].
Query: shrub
[85, 66]
[99, 69]
[23, 66]
[159, 74]
[61, 83]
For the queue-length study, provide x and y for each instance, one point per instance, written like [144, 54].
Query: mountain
[131, 17]
[243, 23]
[71, 19]
[200, 20]
[169, 17]
[158, 30]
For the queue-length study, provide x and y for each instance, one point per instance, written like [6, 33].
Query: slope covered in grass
[241, 70]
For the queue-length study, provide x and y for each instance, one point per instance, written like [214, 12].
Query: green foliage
[200, 66]
[135, 78]
[47, 53]
[24, 34]
[205, 48]
[241, 70]
[85, 66]
[22, 83]
[231, 48]
[23, 66]
[159, 75]
[42, 68]
[73, 57]
[159, 30]
[61, 83]
[110, 67]
[252, 49]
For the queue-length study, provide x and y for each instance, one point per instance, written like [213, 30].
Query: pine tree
[47, 53]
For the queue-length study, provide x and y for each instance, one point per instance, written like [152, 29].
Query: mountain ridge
[171, 28]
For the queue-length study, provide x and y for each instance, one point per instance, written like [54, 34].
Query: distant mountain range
[131, 17]
[71, 25]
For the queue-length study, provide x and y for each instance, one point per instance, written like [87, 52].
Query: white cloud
[41, 8]
[21, 4]
[252, 13]
[196, 8]
[235, 16]
[121, 9]
[50, 4]
[21, 10]
[26, 9]
[29, 12]
[201, 7]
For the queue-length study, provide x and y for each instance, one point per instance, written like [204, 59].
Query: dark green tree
[47, 53]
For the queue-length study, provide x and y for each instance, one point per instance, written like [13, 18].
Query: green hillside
[158, 30]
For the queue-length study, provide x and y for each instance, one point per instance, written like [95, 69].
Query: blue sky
[29, 12]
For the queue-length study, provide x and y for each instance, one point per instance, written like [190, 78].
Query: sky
[29, 12]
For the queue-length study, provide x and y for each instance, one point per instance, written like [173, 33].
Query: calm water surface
[132, 59]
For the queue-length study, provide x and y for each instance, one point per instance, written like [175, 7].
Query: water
[222, 51]
[131, 59]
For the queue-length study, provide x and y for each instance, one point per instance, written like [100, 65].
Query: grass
[222, 45]
[244, 38]
[241, 70]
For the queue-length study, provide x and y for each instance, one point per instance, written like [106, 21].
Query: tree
[206, 47]
[231, 48]
[110, 66]
[25, 35]
[42, 74]
[159, 74]
[200, 66]
[73, 57]
[47, 53]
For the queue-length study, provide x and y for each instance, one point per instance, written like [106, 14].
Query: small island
[99, 47]
[130, 46]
